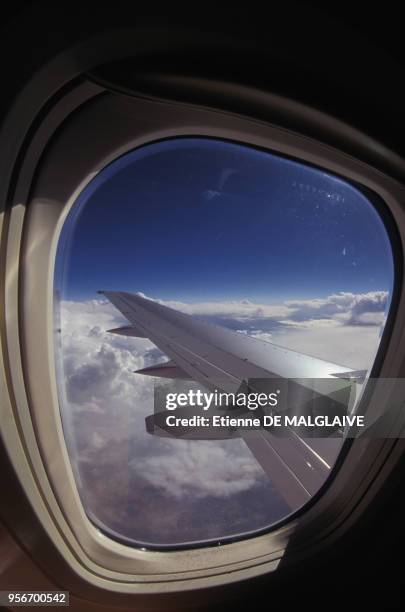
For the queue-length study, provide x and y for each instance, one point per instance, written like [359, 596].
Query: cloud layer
[139, 484]
[350, 308]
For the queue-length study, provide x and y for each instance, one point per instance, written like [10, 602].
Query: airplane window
[214, 259]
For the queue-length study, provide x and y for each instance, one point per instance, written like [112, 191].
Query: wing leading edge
[221, 358]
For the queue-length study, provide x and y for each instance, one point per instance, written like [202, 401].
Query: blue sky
[196, 219]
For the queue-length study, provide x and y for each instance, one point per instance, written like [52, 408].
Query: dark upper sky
[197, 219]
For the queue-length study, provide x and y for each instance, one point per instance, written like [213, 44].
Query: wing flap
[289, 460]
[273, 464]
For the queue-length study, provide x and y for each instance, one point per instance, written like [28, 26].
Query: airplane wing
[221, 358]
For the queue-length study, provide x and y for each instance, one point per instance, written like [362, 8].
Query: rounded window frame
[39, 451]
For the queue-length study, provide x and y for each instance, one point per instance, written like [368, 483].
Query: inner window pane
[261, 245]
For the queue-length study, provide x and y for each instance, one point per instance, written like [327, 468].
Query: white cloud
[353, 346]
[106, 403]
[200, 469]
[344, 306]
[260, 335]
[99, 381]
[311, 323]
[370, 318]
[235, 309]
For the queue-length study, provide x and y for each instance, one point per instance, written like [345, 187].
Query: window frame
[31, 423]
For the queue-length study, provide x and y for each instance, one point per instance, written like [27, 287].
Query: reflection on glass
[258, 244]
